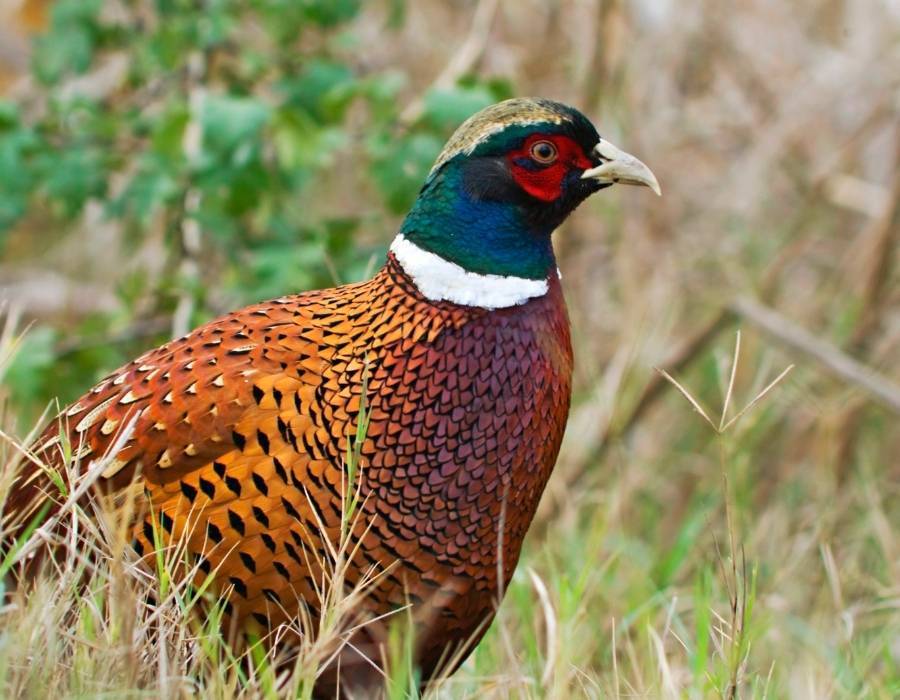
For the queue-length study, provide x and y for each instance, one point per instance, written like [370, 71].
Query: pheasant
[458, 355]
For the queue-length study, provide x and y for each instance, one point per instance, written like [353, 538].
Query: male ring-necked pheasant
[461, 344]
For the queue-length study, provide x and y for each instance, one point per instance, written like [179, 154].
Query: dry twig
[800, 340]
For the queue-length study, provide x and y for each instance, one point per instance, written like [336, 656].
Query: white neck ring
[441, 280]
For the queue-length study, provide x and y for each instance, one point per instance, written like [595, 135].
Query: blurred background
[164, 162]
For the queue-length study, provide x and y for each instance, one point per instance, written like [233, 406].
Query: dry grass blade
[730, 390]
[724, 425]
[550, 628]
[10, 339]
[684, 392]
[615, 657]
[669, 686]
[759, 397]
[82, 485]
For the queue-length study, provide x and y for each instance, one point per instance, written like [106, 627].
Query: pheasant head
[506, 179]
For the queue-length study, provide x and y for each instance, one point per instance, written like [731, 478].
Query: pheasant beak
[618, 166]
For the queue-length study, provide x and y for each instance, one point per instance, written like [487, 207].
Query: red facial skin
[541, 181]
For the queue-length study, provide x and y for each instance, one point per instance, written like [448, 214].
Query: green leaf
[168, 131]
[329, 13]
[301, 143]
[401, 167]
[229, 121]
[16, 173]
[151, 187]
[323, 89]
[33, 358]
[9, 115]
[72, 176]
[445, 109]
[69, 45]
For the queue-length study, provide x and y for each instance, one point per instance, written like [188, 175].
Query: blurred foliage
[267, 116]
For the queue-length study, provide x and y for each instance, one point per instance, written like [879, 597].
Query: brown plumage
[243, 426]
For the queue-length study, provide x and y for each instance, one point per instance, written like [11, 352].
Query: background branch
[831, 358]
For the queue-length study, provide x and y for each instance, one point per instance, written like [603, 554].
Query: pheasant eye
[543, 152]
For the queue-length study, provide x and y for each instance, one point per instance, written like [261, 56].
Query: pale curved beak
[620, 167]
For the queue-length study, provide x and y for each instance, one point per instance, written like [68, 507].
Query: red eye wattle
[543, 162]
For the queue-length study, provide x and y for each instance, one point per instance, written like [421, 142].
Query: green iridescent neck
[481, 236]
